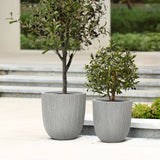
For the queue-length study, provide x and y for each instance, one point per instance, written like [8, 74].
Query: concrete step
[47, 81]
[35, 92]
[73, 82]
[42, 70]
[75, 70]
[148, 84]
[149, 72]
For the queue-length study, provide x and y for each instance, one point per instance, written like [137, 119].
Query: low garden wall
[140, 128]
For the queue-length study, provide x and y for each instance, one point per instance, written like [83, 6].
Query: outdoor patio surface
[80, 59]
[22, 137]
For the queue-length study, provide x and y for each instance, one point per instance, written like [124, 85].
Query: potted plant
[65, 25]
[109, 71]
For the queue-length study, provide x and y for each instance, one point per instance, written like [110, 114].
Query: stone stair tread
[73, 68]
[150, 82]
[39, 90]
[58, 79]
[30, 89]
[41, 67]
[23, 80]
[40, 79]
[149, 70]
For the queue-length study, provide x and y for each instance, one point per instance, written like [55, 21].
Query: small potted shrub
[65, 25]
[109, 71]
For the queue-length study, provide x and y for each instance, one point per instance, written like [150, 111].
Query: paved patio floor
[22, 137]
[82, 58]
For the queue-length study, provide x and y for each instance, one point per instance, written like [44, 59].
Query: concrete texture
[63, 114]
[35, 92]
[81, 58]
[56, 81]
[22, 137]
[112, 120]
[10, 34]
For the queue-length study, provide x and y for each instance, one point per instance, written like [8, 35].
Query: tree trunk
[129, 4]
[64, 76]
[113, 96]
[113, 91]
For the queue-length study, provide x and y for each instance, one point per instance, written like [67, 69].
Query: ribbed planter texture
[112, 119]
[63, 114]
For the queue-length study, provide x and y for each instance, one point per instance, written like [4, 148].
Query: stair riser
[70, 85]
[148, 87]
[43, 73]
[38, 95]
[41, 84]
[150, 76]
[70, 74]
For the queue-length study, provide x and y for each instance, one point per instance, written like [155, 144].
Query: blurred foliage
[136, 1]
[138, 41]
[31, 41]
[138, 20]
[145, 111]
[30, 1]
[24, 17]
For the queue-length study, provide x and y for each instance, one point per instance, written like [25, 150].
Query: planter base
[112, 119]
[63, 114]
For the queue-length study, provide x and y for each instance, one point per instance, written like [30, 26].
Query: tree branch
[109, 94]
[69, 61]
[59, 55]
[129, 4]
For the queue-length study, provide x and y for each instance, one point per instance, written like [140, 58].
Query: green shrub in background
[25, 43]
[138, 20]
[138, 41]
[146, 111]
[158, 28]
[25, 16]
[30, 1]
[34, 42]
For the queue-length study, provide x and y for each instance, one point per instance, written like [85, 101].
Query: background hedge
[138, 41]
[137, 20]
[30, 1]
[137, 29]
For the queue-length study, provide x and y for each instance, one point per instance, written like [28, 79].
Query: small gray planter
[111, 119]
[63, 114]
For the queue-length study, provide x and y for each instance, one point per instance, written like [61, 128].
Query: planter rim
[60, 93]
[108, 101]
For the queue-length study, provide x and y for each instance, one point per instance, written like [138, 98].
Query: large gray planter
[112, 119]
[63, 114]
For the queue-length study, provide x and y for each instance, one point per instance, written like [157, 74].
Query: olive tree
[66, 24]
[111, 70]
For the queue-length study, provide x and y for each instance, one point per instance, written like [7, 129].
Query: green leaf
[45, 51]
[11, 13]
[13, 21]
[8, 18]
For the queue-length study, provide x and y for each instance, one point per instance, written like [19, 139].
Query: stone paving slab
[81, 58]
[82, 148]
[22, 137]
